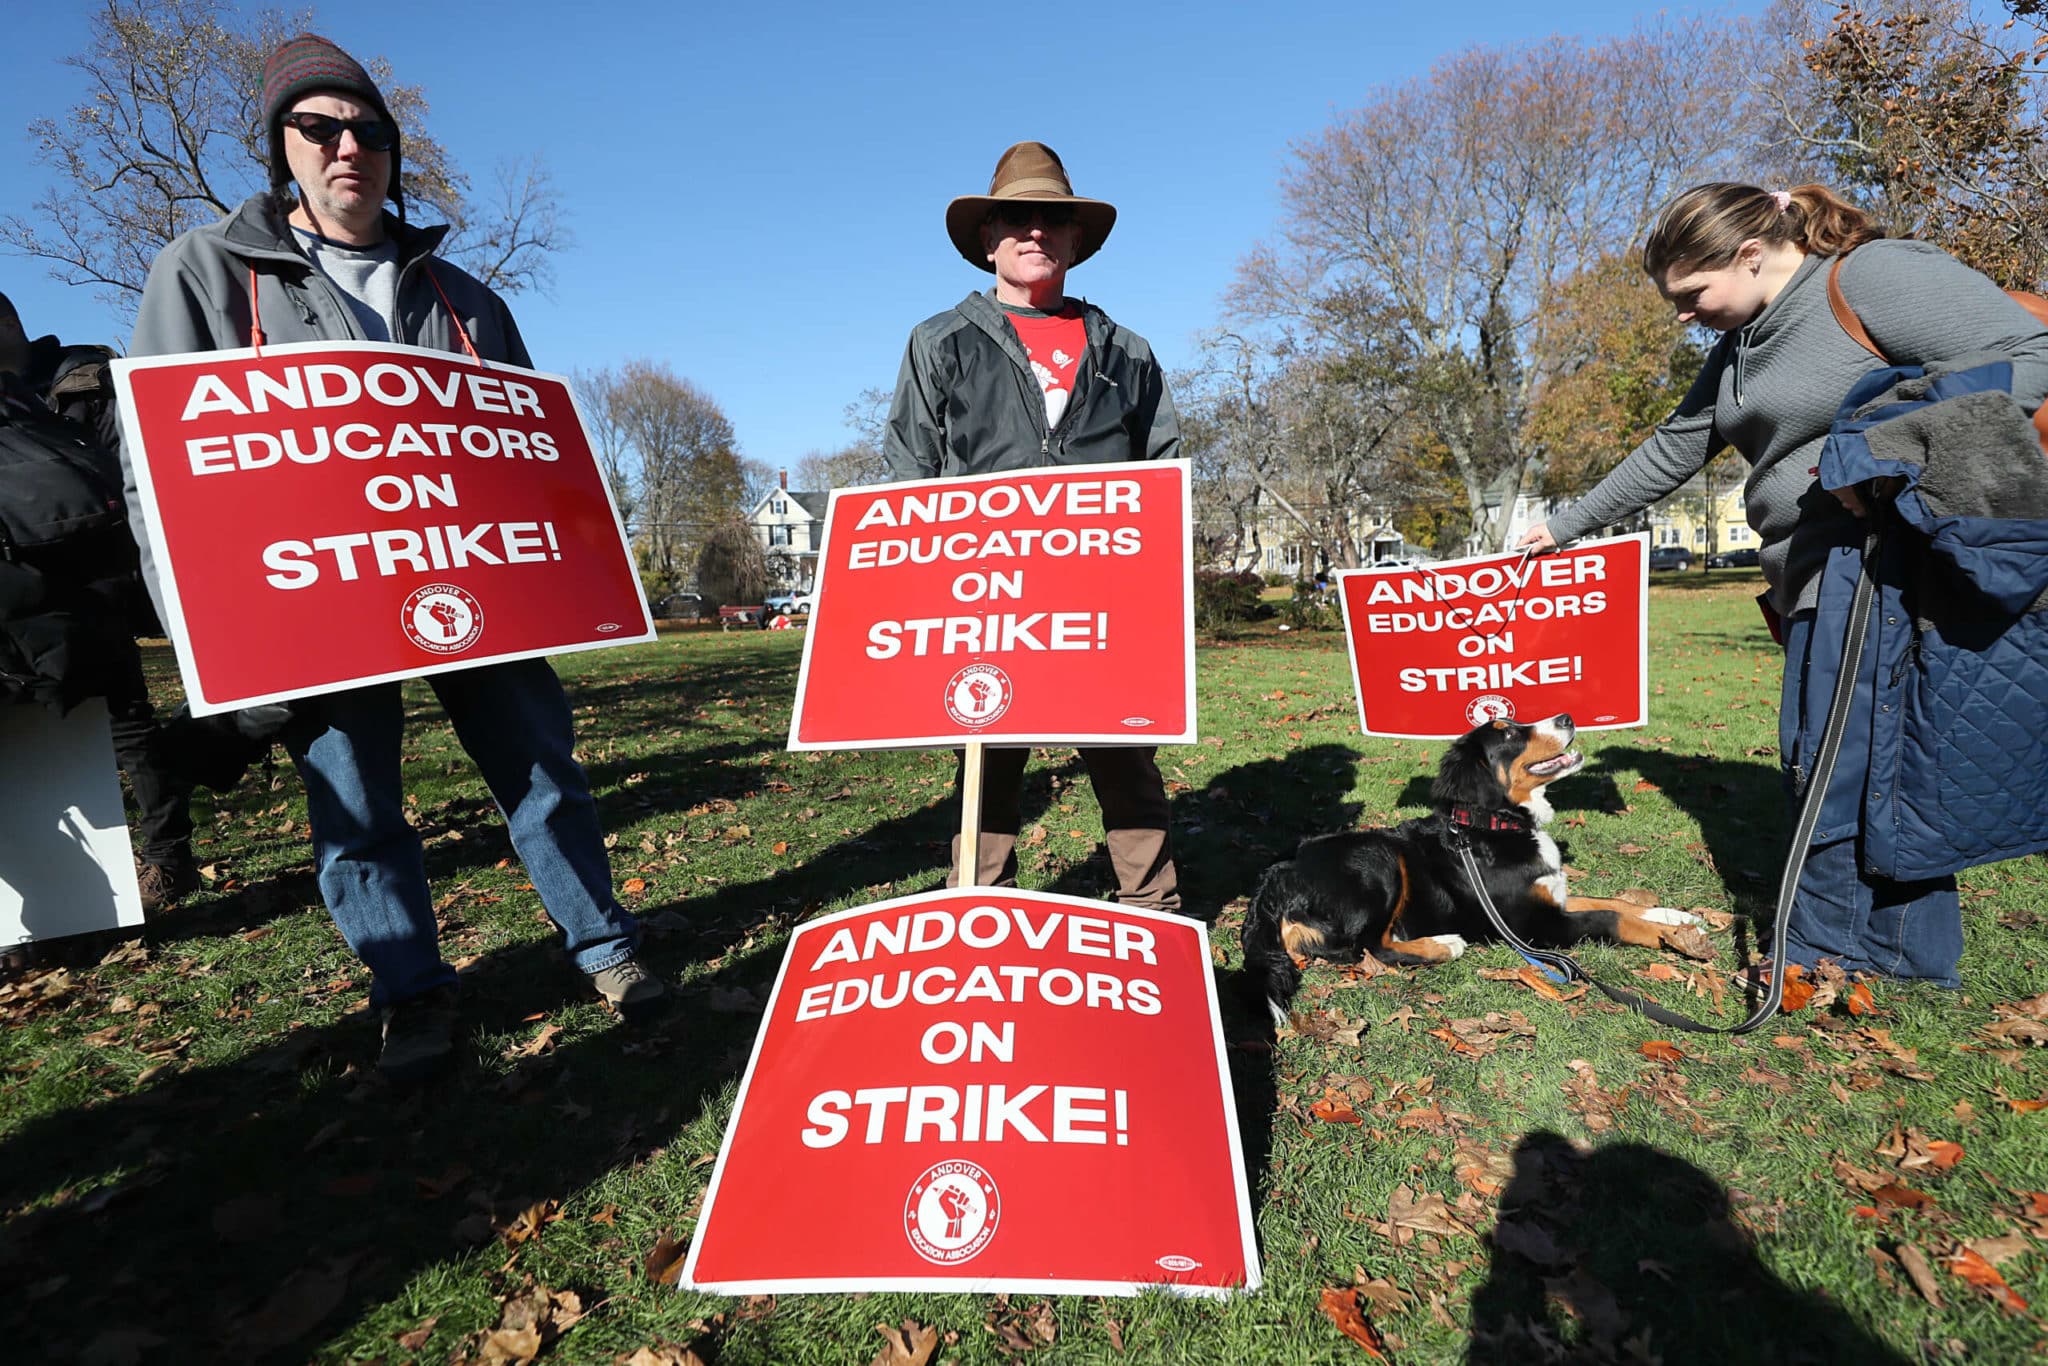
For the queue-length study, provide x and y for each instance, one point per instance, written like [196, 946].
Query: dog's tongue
[1551, 765]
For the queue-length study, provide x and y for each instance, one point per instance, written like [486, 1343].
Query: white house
[790, 525]
[1275, 544]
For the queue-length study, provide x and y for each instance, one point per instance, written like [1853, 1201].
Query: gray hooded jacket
[197, 299]
[1772, 390]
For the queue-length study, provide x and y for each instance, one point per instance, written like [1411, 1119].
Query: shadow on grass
[1738, 804]
[246, 1211]
[1630, 1254]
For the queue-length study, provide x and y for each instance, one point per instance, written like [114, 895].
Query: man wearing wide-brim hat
[1023, 377]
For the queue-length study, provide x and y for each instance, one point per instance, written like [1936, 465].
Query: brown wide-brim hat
[1031, 171]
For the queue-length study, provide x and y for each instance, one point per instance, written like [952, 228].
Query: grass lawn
[198, 1163]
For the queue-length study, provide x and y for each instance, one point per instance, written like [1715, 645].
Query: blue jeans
[514, 721]
[1865, 922]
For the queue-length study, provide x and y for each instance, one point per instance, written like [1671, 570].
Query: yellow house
[1704, 516]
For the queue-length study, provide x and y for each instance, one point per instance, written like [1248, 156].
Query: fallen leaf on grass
[1531, 1241]
[1531, 976]
[1426, 1213]
[1921, 1274]
[434, 1187]
[1945, 1153]
[1689, 940]
[538, 1044]
[664, 1265]
[1324, 1026]
[1798, 991]
[909, 1345]
[1902, 1197]
[661, 1354]
[633, 886]
[1996, 1250]
[293, 1309]
[1019, 1329]
[1660, 972]
[1483, 1170]
[1341, 1306]
[1857, 1001]
[1457, 1044]
[1978, 1272]
[1333, 1108]
[529, 1222]
[1632, 849]
[417, 1338]
[1658, 1050]
[530, 1321]
[1380, 1293]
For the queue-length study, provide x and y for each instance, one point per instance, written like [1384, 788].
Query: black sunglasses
[1024, 215]
[372, 135]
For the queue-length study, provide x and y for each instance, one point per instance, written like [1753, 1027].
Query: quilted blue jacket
[1945, 761]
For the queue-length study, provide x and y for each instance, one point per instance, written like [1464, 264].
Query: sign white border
[1007, 740]
[977, 1286]
[134, 452]
[1642, 633]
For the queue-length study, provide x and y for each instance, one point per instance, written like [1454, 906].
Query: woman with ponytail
[1753, 265]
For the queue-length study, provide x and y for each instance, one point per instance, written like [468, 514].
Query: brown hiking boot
[164, 885]
[631, 990]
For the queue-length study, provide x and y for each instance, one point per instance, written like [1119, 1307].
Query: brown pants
[1134, 819]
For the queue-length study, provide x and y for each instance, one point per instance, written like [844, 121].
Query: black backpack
[66, 558]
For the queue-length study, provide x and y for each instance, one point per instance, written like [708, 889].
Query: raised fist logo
[952, 1211]
[977, 695]
[955, 1205]
[442, 619]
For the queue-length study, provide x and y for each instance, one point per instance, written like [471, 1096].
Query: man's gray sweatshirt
[1772, 389]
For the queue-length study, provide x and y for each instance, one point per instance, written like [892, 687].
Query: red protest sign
[331, 514]
[1049, 605]
[984, 1089]
[1437, 649]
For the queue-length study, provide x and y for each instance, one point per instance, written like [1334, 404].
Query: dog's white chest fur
[1553, 881]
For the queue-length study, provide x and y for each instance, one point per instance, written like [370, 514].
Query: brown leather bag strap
[1845, 315]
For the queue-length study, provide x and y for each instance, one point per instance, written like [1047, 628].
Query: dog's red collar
[1491, 820]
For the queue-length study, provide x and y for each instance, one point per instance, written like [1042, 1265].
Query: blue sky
[757, 191]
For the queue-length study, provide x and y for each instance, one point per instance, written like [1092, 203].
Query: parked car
[1670, 557]
[789, 604]
[681, 606]
[1733, 559]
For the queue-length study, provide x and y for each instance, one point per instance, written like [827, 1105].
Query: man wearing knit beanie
[332, 266]
[310, 64]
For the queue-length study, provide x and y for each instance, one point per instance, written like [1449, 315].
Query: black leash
[1795, 857]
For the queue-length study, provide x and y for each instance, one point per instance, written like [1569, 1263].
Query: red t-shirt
[1054, 341]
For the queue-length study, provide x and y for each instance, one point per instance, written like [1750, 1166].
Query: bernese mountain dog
[1402, 894]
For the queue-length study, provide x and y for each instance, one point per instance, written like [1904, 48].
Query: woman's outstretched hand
[1537, 539]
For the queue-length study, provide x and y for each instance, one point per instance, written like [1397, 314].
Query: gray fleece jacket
[1772, 389]
[197, 299]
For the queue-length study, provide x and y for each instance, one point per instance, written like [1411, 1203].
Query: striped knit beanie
[306, 64]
